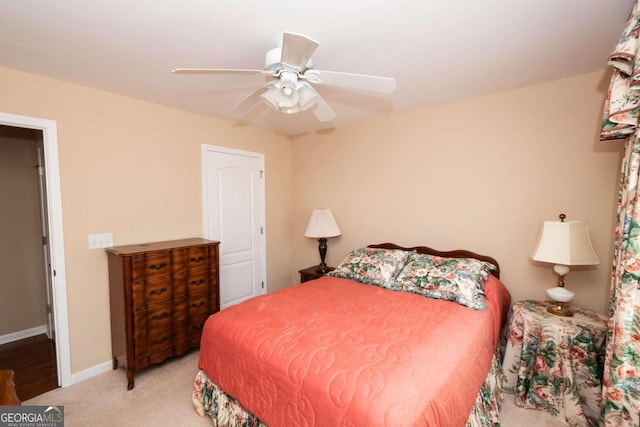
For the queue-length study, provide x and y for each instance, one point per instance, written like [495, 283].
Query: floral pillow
[453, 279]
[373, 266]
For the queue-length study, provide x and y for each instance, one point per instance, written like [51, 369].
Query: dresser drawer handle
[197, 282]
[200, 258]
[160, 341]
[196, 328]
[200, 304]
[160, 316]
[157, 291]
[158, 266]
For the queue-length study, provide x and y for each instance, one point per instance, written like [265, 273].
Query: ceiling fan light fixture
[275, 97]
[288, 97]
[291, 110]
[287, 90]
[288, 102]
[271, 98]
[287, 87]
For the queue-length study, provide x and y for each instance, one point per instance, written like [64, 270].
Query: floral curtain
[621, 383]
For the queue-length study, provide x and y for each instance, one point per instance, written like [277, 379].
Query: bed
[394, 336]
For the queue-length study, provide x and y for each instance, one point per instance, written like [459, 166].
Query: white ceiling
[437, 50]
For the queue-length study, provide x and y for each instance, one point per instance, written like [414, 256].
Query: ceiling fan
[291, 78]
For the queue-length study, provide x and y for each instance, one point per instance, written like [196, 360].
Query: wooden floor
[34, 362]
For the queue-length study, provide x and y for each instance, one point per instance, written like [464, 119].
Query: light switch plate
[99, 241]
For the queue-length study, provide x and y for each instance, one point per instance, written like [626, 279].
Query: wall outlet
[99, 241]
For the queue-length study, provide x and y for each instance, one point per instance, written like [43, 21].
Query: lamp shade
[270, 97]
[322, 224]
[565, 243]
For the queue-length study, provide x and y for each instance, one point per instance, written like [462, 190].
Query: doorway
[33, 232]
[25, 301]
[234, 214]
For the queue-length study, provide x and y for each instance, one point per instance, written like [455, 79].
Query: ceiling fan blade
[320, 108]
[297, 50]
[216, 71]
[250, 100]
[383, 85]
[322, 111]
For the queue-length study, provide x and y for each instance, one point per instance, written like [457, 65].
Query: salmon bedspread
[336, 352]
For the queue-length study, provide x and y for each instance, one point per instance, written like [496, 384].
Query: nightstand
[555, 363]
[310, 273]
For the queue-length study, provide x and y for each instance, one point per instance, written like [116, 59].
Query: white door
[233, 184]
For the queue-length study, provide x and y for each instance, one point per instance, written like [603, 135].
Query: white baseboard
[20, 335]
[91, 372]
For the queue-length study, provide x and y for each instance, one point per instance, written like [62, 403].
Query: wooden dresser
[161, 294]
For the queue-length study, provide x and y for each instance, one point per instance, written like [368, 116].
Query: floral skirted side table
[555, 363]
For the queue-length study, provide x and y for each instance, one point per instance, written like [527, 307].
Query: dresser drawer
[197, 258]
[149, 293]
[160, 344]
[155, 341]
[197, 282]
[152, 317]
[159, 338]
[198, 303]
[151, 266]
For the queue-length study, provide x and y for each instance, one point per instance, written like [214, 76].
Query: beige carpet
[162, 397]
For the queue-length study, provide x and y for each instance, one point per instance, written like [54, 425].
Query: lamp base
[560, 309]
[322, 248]
[322, 268]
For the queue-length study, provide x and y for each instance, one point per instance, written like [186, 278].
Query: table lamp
[322, 225]
[564, 243]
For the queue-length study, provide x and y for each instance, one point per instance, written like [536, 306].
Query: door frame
[49, 130]
[44, 225]
[206, 202]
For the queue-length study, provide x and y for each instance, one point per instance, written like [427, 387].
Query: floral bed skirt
[225, 411]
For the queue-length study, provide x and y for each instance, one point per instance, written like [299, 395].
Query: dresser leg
[130, 384]
[115, 363]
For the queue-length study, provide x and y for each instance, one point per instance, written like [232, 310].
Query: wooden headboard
[458, 253]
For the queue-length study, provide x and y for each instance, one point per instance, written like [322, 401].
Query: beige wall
[134, 168]
[480, 174]
[22, 289]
